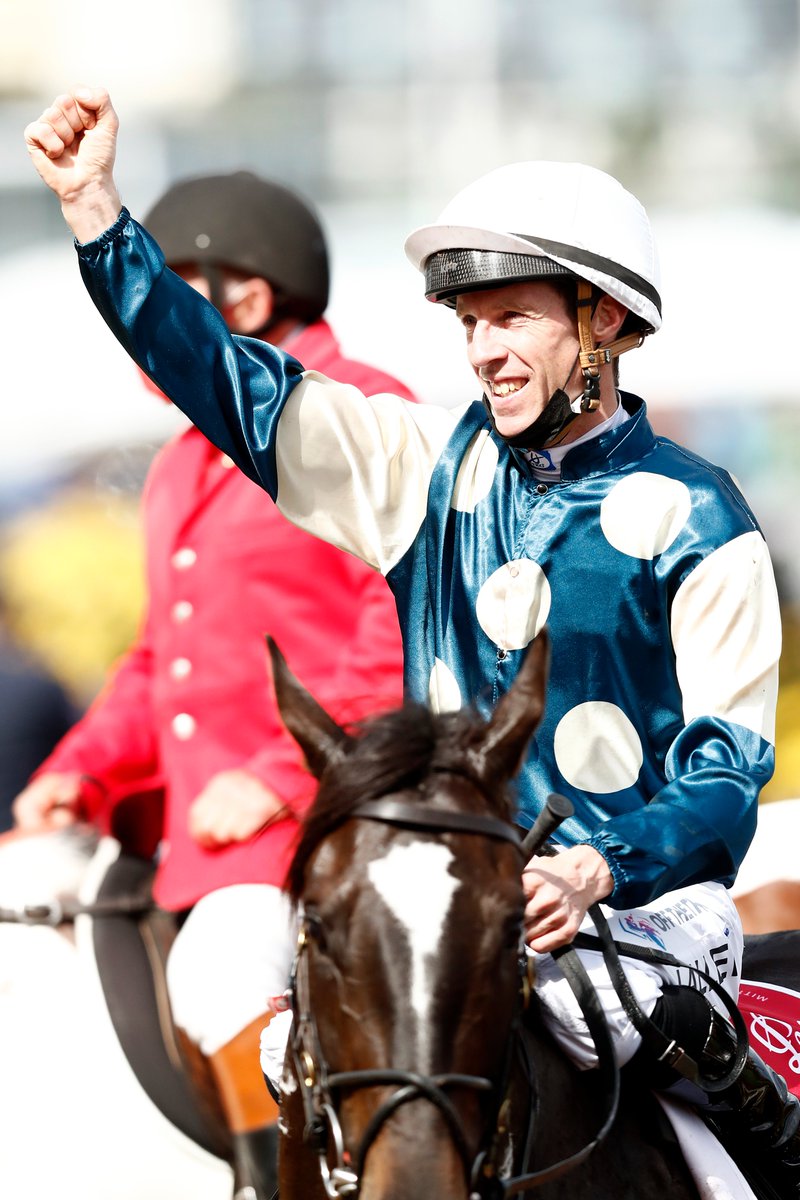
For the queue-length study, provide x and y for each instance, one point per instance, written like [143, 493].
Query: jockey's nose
[485, 348]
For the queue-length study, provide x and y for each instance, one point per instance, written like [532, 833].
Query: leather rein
[318, 1085]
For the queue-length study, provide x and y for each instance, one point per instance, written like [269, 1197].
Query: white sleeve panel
[354, 469]
[726, 633]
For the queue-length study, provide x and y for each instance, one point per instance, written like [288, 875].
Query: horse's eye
[513, 931]
[316, 929]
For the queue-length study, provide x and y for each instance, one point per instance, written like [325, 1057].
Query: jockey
[190, 712]
[550, 500]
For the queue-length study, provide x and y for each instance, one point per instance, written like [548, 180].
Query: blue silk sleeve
[232, 388]
[699, 825]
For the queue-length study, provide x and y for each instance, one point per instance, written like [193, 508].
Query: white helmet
[529, 220]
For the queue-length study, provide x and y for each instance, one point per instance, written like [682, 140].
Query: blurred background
[378, 114]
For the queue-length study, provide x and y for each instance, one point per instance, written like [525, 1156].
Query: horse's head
[408, 874]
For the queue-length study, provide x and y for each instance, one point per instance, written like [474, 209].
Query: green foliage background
[71, 574]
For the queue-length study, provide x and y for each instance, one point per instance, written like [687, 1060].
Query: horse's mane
[390, 753]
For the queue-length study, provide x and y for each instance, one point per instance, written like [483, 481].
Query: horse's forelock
[388, 752]
[391, 752]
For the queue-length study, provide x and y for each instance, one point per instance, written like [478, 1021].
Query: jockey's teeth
[504, 389]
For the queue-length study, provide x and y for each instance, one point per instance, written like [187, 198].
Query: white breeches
[698, 925]
[233, 954]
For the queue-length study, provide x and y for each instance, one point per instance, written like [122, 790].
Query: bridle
[319, 1086]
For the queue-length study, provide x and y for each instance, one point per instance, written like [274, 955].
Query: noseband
[317, 1084]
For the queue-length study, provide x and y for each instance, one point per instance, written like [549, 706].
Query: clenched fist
[73, 147]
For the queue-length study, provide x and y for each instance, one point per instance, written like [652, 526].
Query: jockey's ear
[314, 730]
[516, 717]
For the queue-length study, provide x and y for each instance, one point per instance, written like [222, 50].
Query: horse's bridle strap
[410, 1086]
[418, 816]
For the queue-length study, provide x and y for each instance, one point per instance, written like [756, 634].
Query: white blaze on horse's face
[415, 883]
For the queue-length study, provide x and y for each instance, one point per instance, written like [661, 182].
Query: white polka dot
[643, 514]
[476, 473]
[597, 749]
[513, 604]
[444, 694]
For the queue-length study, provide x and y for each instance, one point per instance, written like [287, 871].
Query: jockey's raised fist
[73, 146]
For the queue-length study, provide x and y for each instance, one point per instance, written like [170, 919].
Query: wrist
[596, 871]
[91, 210]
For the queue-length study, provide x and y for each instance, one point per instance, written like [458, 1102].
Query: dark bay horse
[406, 1075]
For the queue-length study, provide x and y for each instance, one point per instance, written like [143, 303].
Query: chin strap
[592, 357]
[557, 414]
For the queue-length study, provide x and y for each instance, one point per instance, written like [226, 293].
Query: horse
[417, 1062]
[80, 1118]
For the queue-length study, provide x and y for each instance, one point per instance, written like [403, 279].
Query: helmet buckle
[590, 400]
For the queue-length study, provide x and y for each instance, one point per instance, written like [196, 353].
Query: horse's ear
[315, 731]
[517, 715]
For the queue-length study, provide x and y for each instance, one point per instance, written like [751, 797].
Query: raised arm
[350, 469]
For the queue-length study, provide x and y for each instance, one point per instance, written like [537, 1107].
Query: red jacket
[192, 696]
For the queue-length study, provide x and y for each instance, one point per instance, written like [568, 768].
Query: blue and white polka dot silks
[644, 562]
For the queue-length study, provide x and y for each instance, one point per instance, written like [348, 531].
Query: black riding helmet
[249, 224]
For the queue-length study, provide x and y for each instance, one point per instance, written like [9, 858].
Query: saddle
[130, 950]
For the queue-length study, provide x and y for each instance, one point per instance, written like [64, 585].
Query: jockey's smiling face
[522, 343]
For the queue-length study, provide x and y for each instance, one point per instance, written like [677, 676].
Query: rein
[662, 1048]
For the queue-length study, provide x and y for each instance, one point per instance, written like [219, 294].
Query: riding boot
[250, 1111]
[757, 1116]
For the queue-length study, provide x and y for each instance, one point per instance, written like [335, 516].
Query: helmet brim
[637, 294]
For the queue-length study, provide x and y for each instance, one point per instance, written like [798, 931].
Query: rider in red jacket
[192, 698]
[190, 711]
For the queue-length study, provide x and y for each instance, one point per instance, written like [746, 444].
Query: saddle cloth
[769, 998]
